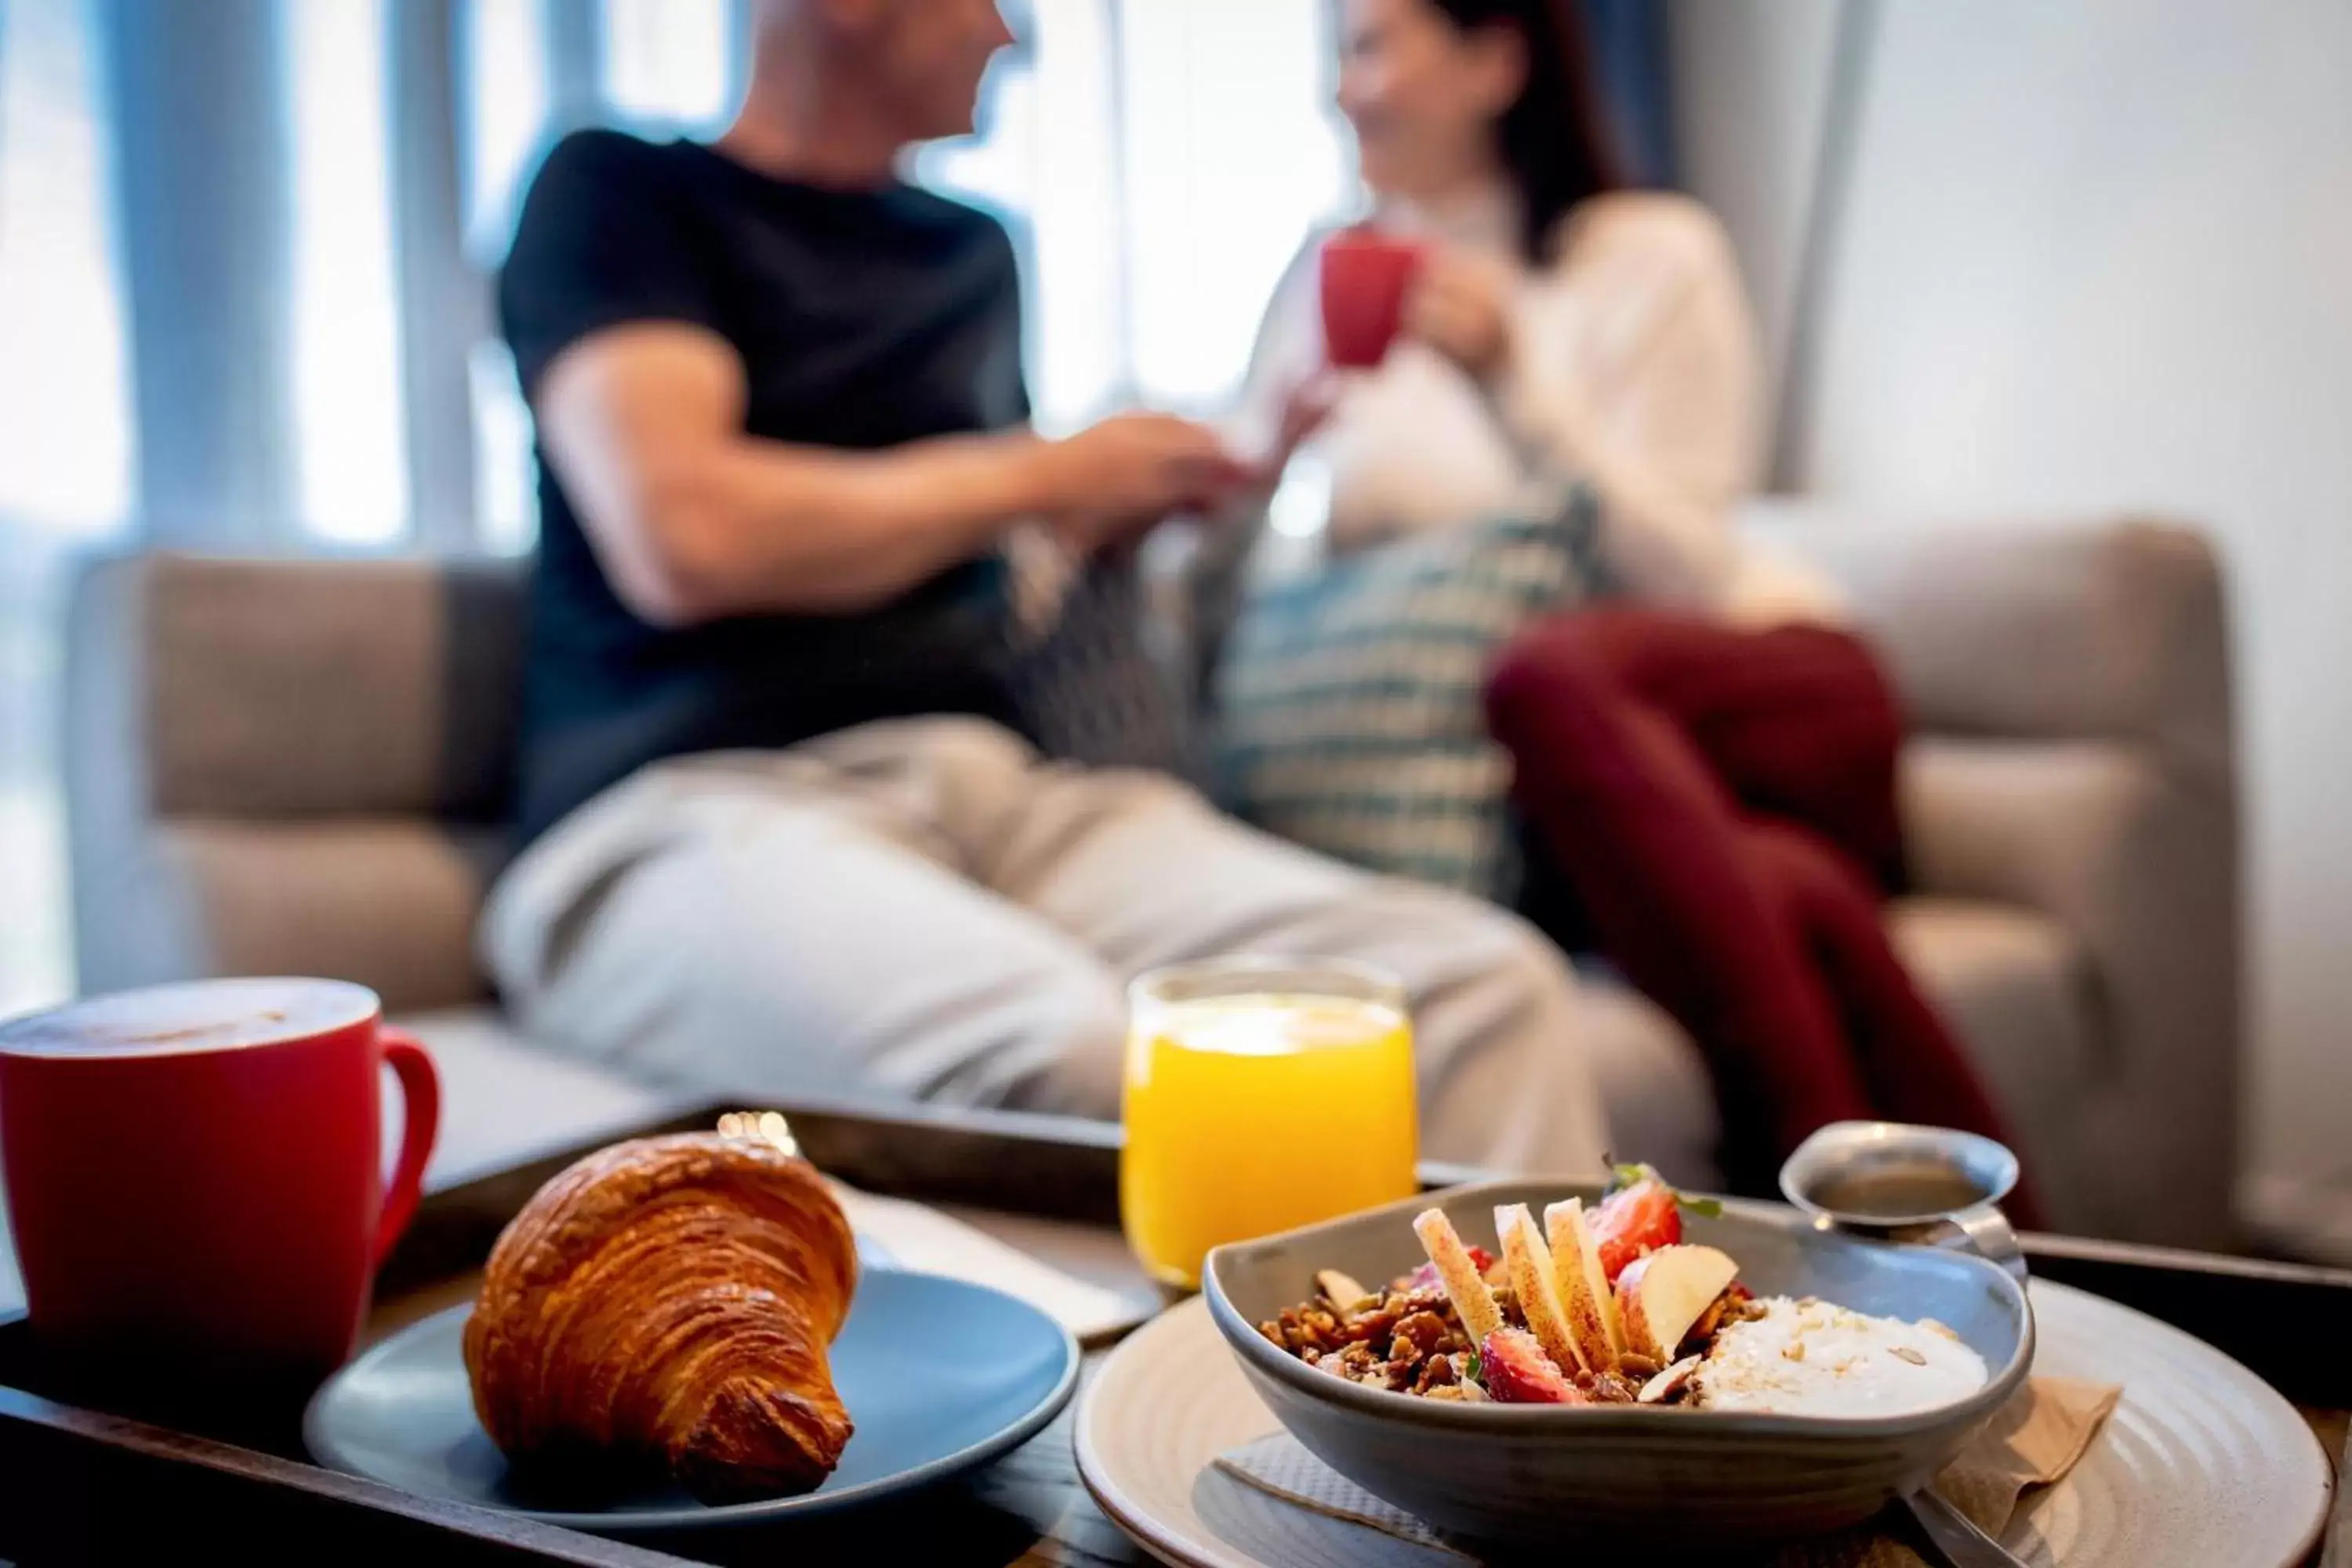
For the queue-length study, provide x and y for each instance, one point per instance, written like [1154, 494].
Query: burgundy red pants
[1712, 811]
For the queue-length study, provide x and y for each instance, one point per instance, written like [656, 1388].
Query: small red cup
[1365, 278]
[194, 1171]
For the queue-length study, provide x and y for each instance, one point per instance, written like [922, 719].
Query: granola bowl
[1661, 1479]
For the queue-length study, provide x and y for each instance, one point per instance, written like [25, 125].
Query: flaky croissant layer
[665, 1305]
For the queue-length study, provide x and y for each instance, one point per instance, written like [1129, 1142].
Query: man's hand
[1113, 481]
[1460, 306]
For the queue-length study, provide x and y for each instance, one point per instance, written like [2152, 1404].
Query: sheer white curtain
[66, 451]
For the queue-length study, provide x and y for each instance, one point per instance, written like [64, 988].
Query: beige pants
[927, 909]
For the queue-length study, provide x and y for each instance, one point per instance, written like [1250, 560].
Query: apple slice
[1661, 1295]
[1583, 1286]
[1527, 1263]
[1472, 1302]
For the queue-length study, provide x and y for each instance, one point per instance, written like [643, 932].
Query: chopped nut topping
[1906, 1354]
[1343, 1291]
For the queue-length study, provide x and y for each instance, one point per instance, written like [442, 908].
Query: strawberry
[1635, 1220]
[1516, 1371]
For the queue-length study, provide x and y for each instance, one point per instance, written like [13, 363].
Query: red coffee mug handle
[420, 1089]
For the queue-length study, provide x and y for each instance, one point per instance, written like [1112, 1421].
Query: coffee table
[85, 1481]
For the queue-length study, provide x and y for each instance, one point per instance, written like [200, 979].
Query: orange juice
[1251, 1113]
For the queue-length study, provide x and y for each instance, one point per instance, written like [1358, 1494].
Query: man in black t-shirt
[785, 835]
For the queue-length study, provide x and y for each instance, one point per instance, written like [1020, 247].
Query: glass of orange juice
[1261, 1094]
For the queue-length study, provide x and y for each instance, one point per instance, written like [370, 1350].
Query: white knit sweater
[1634, 365]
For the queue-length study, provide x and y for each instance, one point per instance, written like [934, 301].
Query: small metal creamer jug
[1895, 1181]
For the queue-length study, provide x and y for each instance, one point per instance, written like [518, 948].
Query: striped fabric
[1348, 703]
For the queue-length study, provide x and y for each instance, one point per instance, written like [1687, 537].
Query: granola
[1608, 1307]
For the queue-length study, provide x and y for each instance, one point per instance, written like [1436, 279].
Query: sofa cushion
[1654, 1088]
[1349, 714]
[388, 903]
[2018, 989]
[276, 688]
[2014, 986]
[2027, 630]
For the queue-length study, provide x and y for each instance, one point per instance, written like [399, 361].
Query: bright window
[1159, 164]
[66, 458]
[1231, 155]
[349, 436]
[666, 61]
[502, 107]
[65, 426]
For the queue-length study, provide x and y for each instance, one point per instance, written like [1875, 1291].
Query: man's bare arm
[692, 520]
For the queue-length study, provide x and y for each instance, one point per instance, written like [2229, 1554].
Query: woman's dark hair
[1552, 142]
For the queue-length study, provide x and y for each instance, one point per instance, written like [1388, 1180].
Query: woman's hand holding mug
[1460, 305]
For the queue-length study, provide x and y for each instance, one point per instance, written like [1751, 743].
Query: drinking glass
[1261, 1094]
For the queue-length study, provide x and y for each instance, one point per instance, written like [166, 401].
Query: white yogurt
[1810, 1358]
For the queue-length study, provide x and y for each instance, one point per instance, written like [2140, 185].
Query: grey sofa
[303, 767]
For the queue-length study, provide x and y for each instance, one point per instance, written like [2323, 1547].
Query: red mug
[1365, 278]
[194, 1171]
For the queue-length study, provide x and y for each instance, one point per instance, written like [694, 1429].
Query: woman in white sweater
[1705, 761]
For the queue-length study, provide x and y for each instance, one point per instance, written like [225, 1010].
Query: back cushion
[1350, 713]
[280, 688]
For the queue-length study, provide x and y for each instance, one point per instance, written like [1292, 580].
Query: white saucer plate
[2201, 1464]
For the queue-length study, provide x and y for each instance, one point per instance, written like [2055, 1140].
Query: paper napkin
[894, 1232]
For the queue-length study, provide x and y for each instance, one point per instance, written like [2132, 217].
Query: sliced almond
[1669, 1382]
[1342, 1291]
[1907, 1354]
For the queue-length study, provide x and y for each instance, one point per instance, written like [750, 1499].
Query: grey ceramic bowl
[1672, 1479]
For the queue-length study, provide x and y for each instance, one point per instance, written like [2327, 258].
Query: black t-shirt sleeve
[1010, 243]
[601, 242]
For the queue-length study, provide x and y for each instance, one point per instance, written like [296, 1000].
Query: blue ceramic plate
[938, 1376]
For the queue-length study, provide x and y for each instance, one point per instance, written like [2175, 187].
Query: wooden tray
[91, 1476]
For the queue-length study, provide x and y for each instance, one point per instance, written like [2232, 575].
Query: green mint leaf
[1627, 1177]
[1477, 1372]
[1706, 1208]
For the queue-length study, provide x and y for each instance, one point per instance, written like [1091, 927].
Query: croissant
[664, 1305]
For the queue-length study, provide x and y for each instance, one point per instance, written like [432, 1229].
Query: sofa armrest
[2103, 631]
[289, 766]
[2074, 753]
[2140, 868]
